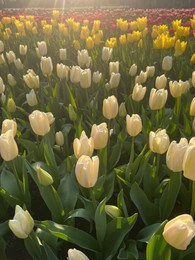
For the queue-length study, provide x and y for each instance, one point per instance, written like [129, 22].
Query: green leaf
[2, 249]
[33, 246]
[146, 233]
[121, 203]
[12, 201]
[9, 183]
[115, 154]
[71, 234]
[4, 228]
[100, 222]
[50, 159]
[129, 252]
[49, 252]
[79, 213]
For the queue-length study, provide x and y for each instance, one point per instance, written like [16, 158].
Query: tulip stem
[177, 107]
[192, 210]
[92, 195]
[132, 153]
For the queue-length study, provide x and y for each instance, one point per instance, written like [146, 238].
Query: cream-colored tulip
[2, 86]
[11, 56]
[85, 78]
[44, 177]
[113, 67]
[75, 73]
[193, 79]
[106, 53]
[74, 254]
[86, 171]
[46, 66]
[23, 49]
[175, 154]
[1, 46]
[141, 78]
[9, 124]
[161, 82]
[138, 92]
[192, 107]
[11, 80]
[133, 124]
[8, 146]
[189, 162]
[159, 141]
[18, 64]
[99, 133]
[133, 70]
[114, 80]
[59, 138]
[157, 98]
[83, 146]
[62, 54]
[179, 231]
[2, 59]
[31, 79]
[62, 71]
[150, 71]
[178, 88]
[22, 224]
[167, 63]
[31, 98]
[96, 77]
[39, 122]
[83, 58]
[42, 48]
[110, 107]
[50, 117]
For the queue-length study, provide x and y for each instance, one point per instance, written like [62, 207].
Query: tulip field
[97, 141]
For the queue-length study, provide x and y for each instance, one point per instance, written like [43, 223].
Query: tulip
[50, 117]
[11, 105]
[75, 74]
[167, 63]
[11, 80]
[150, 71]
[72, 114]
[86, 171]
[114, 80]
[83, 58]
[193, 79]
[175, 154]
[31, 79]
[22, 224]
[2, 86]
[9, 124]
[10, 57]
[192, 107]
[106, 53]
[62, 54]
[110, 107]
[159, 141]
[85, 78]
[138, 92]
[39, 122]
[113, 211]
[134, 124]
[141, 78]
[59, 137]
[44, 177]
[62, 71]
[42, 48]
[23, 49]
[8, 146]
[1, 46]
[178, 88]
[96, 77]
[83, 146]
[99, 133]
[18, 64]
[31, 98]
[122, 110]
[193, 124]
[133, 70]
[2, 59]
[179, 231]
[46, 66]
[114, 67]
[189, 162]
[74, 254]
[161, 81]
[3, 98]
[157, 98]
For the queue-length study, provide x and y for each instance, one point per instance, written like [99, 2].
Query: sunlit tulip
[62, 71]
[11, 105]
[22, 224]
[9, 124]
[110, 107]
[96, 77]
[42, 47]
[106, 53]
[83, 58]
[99, 133]
[62, 54]
[189, 162]
[167, 63]
[178, 88]
[114, 80]
[31, 98]
[46, 66]
[50, 117]
[141, 78]
[75, 73]
[113, 67]
[192, 107]
[1, 46]
[193, 79]
[74, 254]
[133, 124]
[8, 146]
[39, 122]
[150, 71]
[175, 154]
[23, 49]
[10, 57]
[138, 92]
[11, 80]
[44, 177]
[59, 138]
[86, 171]
[179, 231]
[159, 141]
[157, 98]
[85, 78]
[122, 110]
[31, 79]
[18, 64]
[113, 211]
[2, 86]
[133, 70]
[83, 146]
[161, 82]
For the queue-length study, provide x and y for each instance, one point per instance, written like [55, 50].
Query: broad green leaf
[11, 200]
[129, 251]
[49, 252]
[115, 154]
[121, 203]
[2, 249]
[33, 246]
[79, 213]
[146, 233]
[100, 222]
[50, 159]
[9, 183]
[4, 228]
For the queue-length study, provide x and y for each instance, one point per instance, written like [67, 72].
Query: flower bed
[97, 134]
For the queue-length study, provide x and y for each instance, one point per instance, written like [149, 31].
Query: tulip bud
[175, 154]
[39, 122]
[113, 211]
[11, 80]
[18, 64]
[193, 79]
[85, 78]
[159, 141]
[31, 79]
[189, 162]
[75, 74]
[44, 177]
[62, 71]
[99, 133]
[3, 98]
[157, 98]
[74, 254]
[1, 46]
[134, 124]
[161, 81]
[113, 67]
[50, 117]
[179, 231]
[193, 124]
[178, 88]
[9, 124]
[11, 105]
[46, 66]
[110, 107]
[22, 224]
[23, 49]
[10, 57]
[150, 71]
[138, 92]
[71, 113]
[141, 78]
[62, 54]
[59, 137]
[133, 70]
[192, 107]
[2, 59]
[114, 80]
[83, 146]
[86, 171]
[122, 110]
[2, 86]
[8, 146]
[31, 98]
[167, 63]
[83, 58]
[42, 48]
[97, 77]
[106, 53]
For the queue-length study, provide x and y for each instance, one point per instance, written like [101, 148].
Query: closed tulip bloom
[31, 80]
[72, 114]
[46, 66]
[59, 138]
[192, 107]
[44, 177]
[3, 98]
[157, 98]
[122, 110]
[11, 80]
[2, 59]
[86, 171]
[85, 78]
[175, 154]
[113, 211]
[18, 64]
[31, 98]
[1, 46]
[138, 92]
[39, 122]
[22, 224]
[167, 63]
[141, 78]
[99, 133]
[96, 77]
[62, 54]
[110, 107]
[106, 53]
[150, 71]
[83, 58]
[159, 141]
[189, 163]
[133, 124]
[193, 79]
[10, 57]
[50, 117]
[133, 70]
[75, 73]
[23, 49]
[83, 146]
[2, 86]
[74, 254]
[62, 71]
[179, 231]
[178, 88]
[113, 67]
[9, 124]
[11, 105]
[42, 47]
[114, 80]
[8, 146]
[161, 82]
